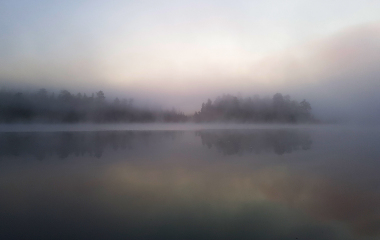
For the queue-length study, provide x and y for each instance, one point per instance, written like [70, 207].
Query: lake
[189, 182]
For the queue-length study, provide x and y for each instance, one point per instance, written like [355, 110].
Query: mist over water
[181, 120]
[280, 182]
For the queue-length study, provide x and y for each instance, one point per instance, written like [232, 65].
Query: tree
[100, 96]
[65, 96]
[42, 94]
[305, 105]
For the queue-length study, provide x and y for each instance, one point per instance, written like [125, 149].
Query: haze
[180, 53]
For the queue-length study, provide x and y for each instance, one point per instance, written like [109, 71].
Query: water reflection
[189, 185]
[237, 142]
[64, 144]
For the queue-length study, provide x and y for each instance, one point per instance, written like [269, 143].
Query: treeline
[238, 109]
[42, 106]
[45, 107]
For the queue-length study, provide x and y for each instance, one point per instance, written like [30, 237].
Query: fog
[202, 119]
[337, 74]
[273, 182]
[167, 54]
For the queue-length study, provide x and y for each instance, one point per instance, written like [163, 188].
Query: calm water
[246, 183]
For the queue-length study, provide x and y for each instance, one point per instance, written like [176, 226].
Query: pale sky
[181, 52]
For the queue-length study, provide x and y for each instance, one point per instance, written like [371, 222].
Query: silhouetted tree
[232, 108]
[67, 107]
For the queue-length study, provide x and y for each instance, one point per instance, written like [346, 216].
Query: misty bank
[44, 107]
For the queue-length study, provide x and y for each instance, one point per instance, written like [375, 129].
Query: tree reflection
[65, 144]
[94, 144]
[237, 142]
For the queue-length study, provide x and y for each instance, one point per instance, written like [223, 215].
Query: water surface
[282, 182]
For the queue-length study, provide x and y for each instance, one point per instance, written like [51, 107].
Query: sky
[179, 53]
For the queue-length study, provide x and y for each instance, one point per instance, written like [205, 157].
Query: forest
[280, 109]
[45, 107]
[65, 107]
